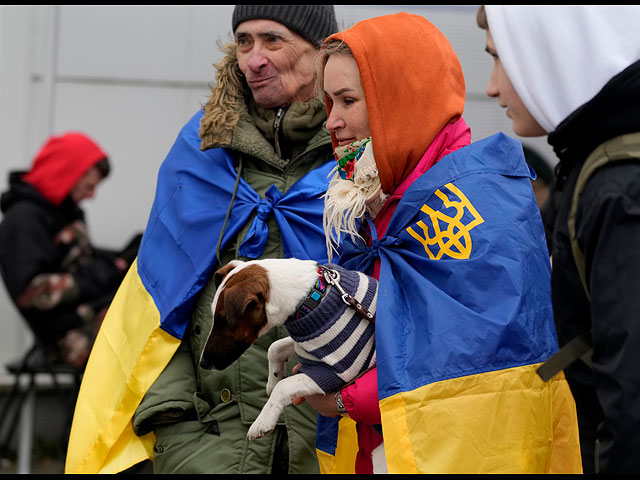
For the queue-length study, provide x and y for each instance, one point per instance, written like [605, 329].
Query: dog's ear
[242, 307]
[218, 277]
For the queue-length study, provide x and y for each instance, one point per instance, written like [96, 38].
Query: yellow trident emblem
[454, 241]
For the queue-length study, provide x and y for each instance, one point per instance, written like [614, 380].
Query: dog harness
[335, 341]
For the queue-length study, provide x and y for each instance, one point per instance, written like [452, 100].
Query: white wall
[131, 76]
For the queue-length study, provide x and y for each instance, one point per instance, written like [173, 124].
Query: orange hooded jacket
[404, 114]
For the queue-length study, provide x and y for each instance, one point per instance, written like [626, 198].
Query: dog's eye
[250, 304]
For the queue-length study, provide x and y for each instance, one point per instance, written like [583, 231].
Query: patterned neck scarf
[348, 155]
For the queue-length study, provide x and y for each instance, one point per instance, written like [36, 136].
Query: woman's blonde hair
[333, 47]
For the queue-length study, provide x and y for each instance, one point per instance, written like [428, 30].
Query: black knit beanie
[312, 22]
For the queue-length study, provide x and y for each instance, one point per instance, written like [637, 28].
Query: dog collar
[326, 277]
[313, 299]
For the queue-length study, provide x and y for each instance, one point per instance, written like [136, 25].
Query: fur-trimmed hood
[226, 104]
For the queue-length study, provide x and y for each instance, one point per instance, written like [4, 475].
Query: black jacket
[608, 232]
[28, 249]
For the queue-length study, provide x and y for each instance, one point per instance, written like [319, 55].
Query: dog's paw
[258, 430]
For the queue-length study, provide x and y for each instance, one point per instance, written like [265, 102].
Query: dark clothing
[48, 264]
[608, 232]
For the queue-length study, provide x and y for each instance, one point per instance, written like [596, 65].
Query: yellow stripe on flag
[506, 421]
[344, 459]
[129, 354]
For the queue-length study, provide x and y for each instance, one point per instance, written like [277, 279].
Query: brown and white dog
[255, 296]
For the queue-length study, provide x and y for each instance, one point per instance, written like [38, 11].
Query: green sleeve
[170, 398]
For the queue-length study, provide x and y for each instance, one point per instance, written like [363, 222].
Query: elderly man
[244, 179]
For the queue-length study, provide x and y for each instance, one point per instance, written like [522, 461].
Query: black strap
[579, 347]
[623, 148]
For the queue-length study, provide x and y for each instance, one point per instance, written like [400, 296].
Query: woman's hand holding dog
[324, 404]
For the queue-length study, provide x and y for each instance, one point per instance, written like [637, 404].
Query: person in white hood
[573, 73]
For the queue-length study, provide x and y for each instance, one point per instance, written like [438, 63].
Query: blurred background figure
[543, 184]
[58, 280]
[544, 189]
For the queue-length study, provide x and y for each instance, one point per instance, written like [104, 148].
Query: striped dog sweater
[333, 343]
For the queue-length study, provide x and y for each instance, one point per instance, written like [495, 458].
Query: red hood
[61, 162]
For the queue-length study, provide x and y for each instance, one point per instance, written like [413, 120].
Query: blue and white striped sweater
[333, 343]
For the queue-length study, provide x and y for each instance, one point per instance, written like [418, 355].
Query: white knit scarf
[348, 199]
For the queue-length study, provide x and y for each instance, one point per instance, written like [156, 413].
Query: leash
[332, 277]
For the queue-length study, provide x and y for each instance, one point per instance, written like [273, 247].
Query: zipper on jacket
[276, 131]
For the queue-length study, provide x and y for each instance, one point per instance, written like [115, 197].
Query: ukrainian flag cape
[149, 315]
[464, 318]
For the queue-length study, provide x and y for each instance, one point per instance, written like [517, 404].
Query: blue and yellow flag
[464, 318]
[149, 314]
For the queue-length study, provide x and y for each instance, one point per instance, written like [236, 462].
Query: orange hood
[413, 86]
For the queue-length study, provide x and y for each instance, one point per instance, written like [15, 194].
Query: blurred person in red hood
[58, 280]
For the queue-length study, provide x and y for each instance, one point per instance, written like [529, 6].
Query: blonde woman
[453, 233]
